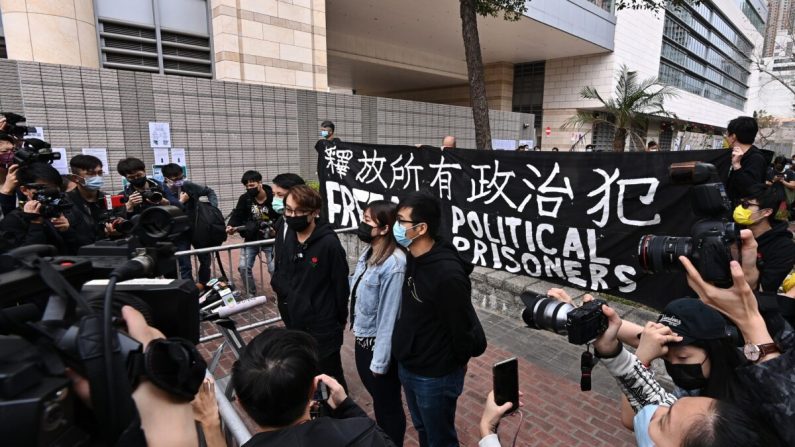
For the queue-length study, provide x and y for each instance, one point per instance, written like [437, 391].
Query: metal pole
[232, 421]
[242, 329]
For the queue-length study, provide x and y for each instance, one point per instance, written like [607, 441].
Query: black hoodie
[311, 279]
[776, 256]
[244, 214]
[433, 332]
[348, 426]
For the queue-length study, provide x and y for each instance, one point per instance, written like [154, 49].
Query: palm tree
[629, 110]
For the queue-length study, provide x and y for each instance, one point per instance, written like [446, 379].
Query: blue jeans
[248, 257]
[432, 404]
[185, 268]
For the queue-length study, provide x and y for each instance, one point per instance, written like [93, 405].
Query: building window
[528, 90]
[754, 17]
[160, 36]
[704, 54]
[3, 52]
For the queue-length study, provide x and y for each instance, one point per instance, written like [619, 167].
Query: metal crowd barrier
[235, 430]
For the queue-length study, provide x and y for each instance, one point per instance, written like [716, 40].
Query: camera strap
[173, 365]
[587, 363]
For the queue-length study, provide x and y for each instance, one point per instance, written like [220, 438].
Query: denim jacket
[378, 297]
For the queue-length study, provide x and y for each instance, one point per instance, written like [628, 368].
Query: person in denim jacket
[376, 290]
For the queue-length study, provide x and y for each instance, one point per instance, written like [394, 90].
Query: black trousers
[385, 391]
[331, 365]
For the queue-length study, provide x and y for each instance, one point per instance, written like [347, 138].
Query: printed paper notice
[161, 156]
[503, 145]
[101, 153]
[62, 165]
[38, 134]
[178, 156]
[530, 143]
[159, 134]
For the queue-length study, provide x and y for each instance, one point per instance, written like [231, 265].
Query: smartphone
[506, 382]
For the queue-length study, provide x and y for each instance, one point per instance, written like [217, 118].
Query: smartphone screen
[506, 382]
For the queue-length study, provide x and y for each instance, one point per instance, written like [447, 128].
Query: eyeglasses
[289, 212]
[413, 222]
[746, 203]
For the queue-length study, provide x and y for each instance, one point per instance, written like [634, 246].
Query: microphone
[242, 306]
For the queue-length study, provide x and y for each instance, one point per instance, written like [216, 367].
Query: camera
[34, 150]
[265, 227]
[53, 203]
[16, 126]
[582, 324]
[714, 239]
[47, 325]
[153, 195]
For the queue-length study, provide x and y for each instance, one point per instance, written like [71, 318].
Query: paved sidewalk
[557, 413]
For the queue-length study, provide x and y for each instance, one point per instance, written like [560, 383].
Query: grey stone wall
[225, 127]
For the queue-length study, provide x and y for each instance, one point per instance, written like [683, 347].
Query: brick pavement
[557, 413]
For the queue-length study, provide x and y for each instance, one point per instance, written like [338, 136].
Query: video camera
[265, 227]
[34, 150]
[582, 324]
[53, 203]
[714, 240]
[16, 126]
[47, 326]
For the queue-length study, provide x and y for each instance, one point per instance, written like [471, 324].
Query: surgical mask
[7, 158]
[399, 231]
[365, 232]
[278, 204]
[297, 223]
[138, 182]
[178, 183]
[252, 192]
[743, 215]
[642, 421]
[324, 133]
[688, 376]
[94, 183]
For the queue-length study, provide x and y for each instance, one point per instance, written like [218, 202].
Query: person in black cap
[702, 358]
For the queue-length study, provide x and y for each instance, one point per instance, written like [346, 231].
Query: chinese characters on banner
[570, 218]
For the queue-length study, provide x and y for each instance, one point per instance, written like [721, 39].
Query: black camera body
[585, 323]
[52, 204]
[16, 125]
[714, 239]
[34, 150]
[152, 195]
[582, 324]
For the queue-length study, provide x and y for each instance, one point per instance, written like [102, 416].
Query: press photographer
[89, 216]
[41, 220]
[143, 192]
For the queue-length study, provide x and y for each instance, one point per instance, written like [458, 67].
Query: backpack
[208, 227]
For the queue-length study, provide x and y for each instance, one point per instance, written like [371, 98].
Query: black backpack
[208, 227]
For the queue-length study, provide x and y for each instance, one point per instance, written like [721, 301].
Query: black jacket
[347, 426]
[311, 279]
[776, 256]
[244, 215]
[753, 171]
[432, 334]
[86, 218]
[16, 230]
[195, 191]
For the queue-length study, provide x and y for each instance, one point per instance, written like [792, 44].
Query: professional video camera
[582, 324]
[53, 203]
[48, 325]
[16, 126]
[34, 150]
[153, 195]
[265, 227]
[715, 239]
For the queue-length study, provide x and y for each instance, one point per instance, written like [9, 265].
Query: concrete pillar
[51, 31]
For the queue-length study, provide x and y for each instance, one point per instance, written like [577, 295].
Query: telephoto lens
[543, 312]
[658, 254]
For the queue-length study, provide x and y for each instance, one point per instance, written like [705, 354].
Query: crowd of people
[408, 303]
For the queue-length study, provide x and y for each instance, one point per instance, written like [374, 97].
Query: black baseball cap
[693, 321]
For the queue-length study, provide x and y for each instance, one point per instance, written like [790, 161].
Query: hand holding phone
[506, 383]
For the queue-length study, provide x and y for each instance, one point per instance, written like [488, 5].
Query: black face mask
[138, 182]
[687, 376]
[297, 223]
[252, 192]
[364, 232]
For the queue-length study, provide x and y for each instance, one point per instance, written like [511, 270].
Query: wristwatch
[755, 352]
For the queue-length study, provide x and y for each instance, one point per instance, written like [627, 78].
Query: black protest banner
[570, 218]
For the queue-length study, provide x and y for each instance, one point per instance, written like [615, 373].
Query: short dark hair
[726, 425]
[424, 208]
[171, 170]
[288, 180]
[327, 124]
[274, 376]
[130, 165]
[768, 197]
[744, 128]
[780, 160]
[651, 143]
[306, 197]
[84, 162]
[37, 172]
[251, 175]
